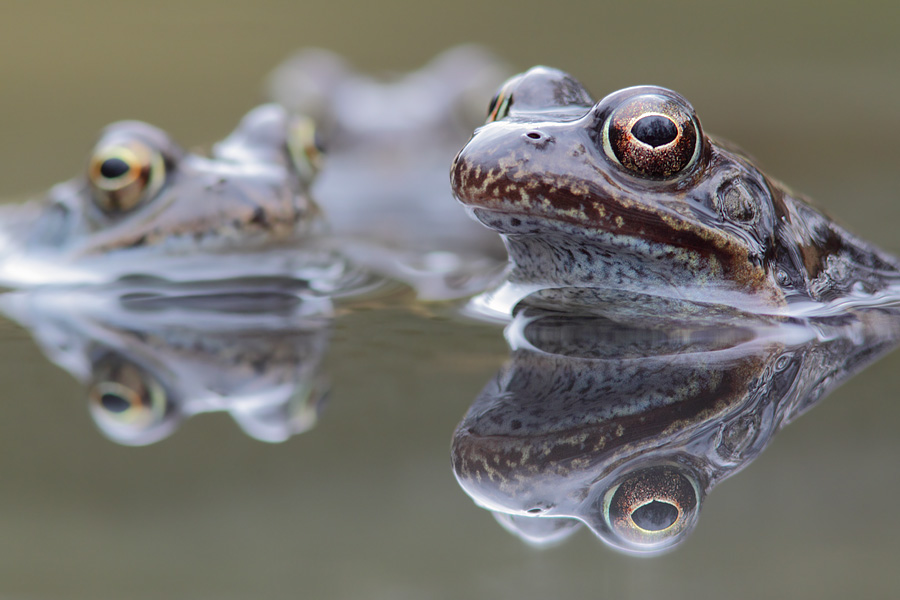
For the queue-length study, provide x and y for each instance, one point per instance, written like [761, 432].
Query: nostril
[534, 135]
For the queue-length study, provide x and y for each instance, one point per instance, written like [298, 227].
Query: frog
[629, 194]
[150, 355]
[386, 142]
[146, 207]
[624, 423]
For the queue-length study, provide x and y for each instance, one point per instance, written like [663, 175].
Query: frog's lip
[601, 218]
[587, 210]
[585, 206]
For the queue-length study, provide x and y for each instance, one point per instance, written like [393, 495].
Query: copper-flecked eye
[304, 147]
[123, 173]
[125, 398]
[652, 508]
[653, 136]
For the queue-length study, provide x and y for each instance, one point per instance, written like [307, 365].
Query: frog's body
[146, 207]
[628, 193]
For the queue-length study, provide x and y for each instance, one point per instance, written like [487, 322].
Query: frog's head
[142, 198]
[627, 192]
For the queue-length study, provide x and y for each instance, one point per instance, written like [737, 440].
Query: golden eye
[304, 147]
[125, 400]
[653, 136]
[124, 173]
[652, 508]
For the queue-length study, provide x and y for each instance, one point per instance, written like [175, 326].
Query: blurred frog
[146, 207]
[387, 143]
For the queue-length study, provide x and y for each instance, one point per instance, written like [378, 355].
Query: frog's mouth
[584, 212]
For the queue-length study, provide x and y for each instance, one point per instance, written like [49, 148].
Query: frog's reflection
[153, 356]
[622, 426]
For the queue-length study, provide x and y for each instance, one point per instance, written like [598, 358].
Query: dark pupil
[114, 403]
[114, 167]
[655, 516]
[654, 130]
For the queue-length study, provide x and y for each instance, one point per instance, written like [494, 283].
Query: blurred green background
[365, 506]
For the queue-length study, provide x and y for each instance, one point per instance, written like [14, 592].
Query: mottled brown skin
[706, 227]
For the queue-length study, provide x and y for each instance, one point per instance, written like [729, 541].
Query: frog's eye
[304, 147]
[126, 168]
[127, 403]
[500, 103]
[652, 508]
[653, 136]
[123, 175]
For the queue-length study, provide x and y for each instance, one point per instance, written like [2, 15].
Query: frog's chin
[540, 532]
[546, 252]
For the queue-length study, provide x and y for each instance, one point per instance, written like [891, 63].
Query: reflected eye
[126, 399]
[499, 106]
[652, 508]
[653, 136]
[304, 147]
[123, 174]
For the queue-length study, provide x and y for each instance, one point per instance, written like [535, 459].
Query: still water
[364, 503]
